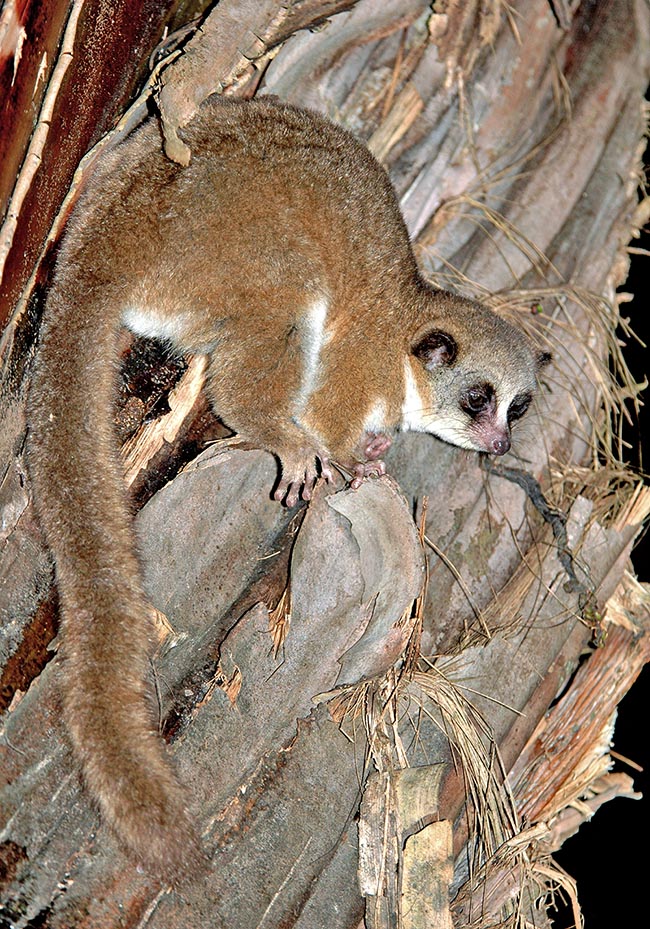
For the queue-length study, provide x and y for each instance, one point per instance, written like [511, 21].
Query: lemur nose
[500, 446]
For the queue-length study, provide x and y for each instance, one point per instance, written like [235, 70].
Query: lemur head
[470, 376]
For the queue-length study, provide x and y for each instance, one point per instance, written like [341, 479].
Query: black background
[609, 856]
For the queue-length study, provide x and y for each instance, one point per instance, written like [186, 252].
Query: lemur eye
[518, 407]
[476, 399]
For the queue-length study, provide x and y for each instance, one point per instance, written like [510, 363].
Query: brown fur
[278, 211]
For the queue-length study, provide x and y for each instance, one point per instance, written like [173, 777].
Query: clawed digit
[364, 470]
[291, 488]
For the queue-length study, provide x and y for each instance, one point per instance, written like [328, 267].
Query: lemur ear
[543, 359]
[435, 348]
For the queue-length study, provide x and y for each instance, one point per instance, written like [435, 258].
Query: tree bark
[315, 694]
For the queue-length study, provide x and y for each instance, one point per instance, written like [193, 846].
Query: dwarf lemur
[280, 251]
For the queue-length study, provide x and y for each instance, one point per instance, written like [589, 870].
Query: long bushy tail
[107, 633]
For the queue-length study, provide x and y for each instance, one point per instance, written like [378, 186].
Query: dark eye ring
[476, 399]
[518, 407]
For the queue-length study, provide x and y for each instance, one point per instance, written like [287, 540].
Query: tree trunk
[356, 747]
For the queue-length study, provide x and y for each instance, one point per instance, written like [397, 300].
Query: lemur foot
[377, 445]
[299, 479]
[365, 469]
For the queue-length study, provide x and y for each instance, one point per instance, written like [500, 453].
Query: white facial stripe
[314, 338]
[413, 408]
[501, 417]
[153, 325]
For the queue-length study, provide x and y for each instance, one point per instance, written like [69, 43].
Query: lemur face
[480, 378]
[489, 430]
